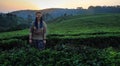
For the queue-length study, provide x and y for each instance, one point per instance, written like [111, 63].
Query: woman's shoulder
[44, 23]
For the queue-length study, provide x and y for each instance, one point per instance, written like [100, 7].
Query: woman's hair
[38, 12]
[36, 21]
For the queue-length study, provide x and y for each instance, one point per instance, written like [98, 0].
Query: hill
[10, 22]
[100, 24]
[81, 26]
[52, 13]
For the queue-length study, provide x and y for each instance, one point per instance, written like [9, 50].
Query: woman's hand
[34, 28]
[44, 41]
[30, 41]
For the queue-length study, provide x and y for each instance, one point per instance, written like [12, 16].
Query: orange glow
[16, 5]
[12, 5]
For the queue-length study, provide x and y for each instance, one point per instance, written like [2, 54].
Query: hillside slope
[102, 23]
[78, 26]
[10, 22]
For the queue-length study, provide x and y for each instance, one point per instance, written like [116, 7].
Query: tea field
[82, 40]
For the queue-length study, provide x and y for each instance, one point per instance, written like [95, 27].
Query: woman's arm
[44, 30]
[30, 34]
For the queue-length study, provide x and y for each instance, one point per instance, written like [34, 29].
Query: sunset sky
[13, 5]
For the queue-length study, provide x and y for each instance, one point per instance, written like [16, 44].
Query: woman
[37, 35]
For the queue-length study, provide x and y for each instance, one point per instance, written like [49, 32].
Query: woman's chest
[38, 31]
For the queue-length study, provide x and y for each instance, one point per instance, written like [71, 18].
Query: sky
[13, 5]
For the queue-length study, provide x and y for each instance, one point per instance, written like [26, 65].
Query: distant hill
[21, 19]
[48, 14]
[52, 13]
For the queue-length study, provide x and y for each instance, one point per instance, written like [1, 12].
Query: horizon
[7, 6]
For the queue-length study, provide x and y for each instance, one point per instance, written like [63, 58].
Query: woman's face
[38, 15]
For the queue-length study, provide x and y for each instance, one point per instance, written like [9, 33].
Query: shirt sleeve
[45, 29]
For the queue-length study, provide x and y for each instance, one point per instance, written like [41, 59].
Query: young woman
[38, 29]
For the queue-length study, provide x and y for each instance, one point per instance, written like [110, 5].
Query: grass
[12, 34]
[83, 25]
[88, 24]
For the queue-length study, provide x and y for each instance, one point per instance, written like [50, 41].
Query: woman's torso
[38, 33]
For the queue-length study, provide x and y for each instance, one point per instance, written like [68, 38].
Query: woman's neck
[38, 20]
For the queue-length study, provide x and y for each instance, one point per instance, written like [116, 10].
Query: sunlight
[12, 5]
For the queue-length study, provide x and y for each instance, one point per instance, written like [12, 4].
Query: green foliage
[10, 22]
[86, 24]
[68, 56]
[83, 30]
[12, 43]
[13, 34]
